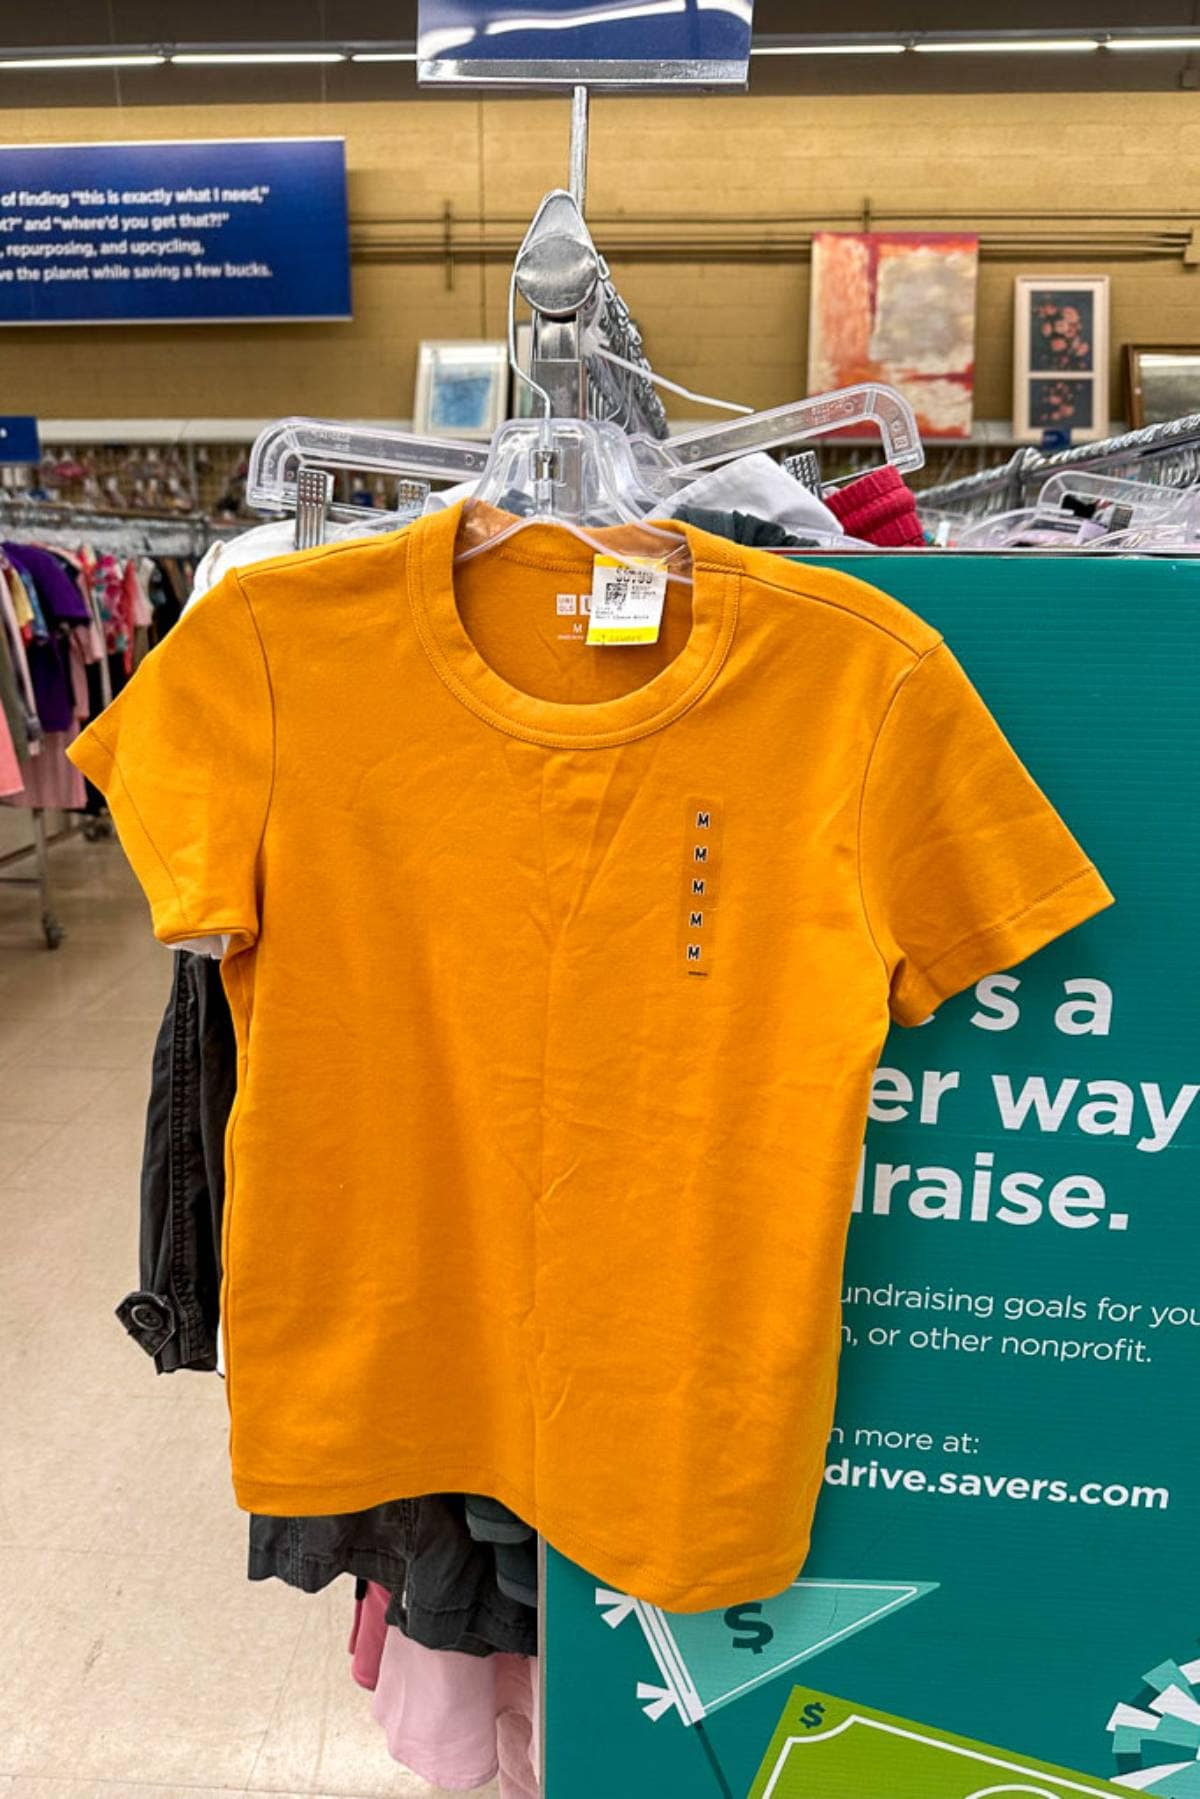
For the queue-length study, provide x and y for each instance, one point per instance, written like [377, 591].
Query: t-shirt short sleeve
[966, 867]
[185, 758]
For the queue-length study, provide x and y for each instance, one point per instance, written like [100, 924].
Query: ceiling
[75, 23]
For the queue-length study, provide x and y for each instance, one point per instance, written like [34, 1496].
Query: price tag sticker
[628, 594]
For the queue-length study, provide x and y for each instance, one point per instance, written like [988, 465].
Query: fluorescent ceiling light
[1027, 46]
[827, 50]
[1154, 43]
[80, 62]
[257, 56]
[383, 56]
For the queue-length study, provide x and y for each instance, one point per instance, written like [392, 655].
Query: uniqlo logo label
[566, 605]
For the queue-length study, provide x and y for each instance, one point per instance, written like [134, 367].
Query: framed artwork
[1060, 357]
[462, 389]
[897, 307]
[1162, 382]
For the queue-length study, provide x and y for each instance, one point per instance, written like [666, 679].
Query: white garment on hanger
[275, 538]
[758, 485]
[448, 496]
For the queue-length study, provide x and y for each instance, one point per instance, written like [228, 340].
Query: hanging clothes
[510, 959]
[11, 706]
[455, 1720]
[11, 779]
[60, 604]
[59, 636]
[50, 781]
[22, 678]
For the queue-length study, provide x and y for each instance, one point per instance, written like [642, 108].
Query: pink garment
[50, 780]
[127, 610]
[78, 649]
[455, 1720]
[368, 1634]
[10, 768]
[143, 611]
[438, 1712]
[519, 1726]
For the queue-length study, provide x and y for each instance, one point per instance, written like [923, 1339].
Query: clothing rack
[66, 526]
[1166, 455]
[123, 532]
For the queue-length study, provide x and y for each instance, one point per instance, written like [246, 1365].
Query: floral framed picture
[1060, 357]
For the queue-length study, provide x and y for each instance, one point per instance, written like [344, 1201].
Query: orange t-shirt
[559, 974]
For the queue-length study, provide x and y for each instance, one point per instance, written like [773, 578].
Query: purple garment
[49, 658]
[50, 671]
[60, 596]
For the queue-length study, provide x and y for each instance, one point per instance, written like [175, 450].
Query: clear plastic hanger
[283, 450]
[567, 468]
[1136, 514]
[1150, 514]
[681, 457]
[576, 474]
[568, 472]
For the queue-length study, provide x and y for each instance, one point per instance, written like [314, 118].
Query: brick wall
[734, 328]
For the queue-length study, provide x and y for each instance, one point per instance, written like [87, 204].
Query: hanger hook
[513, 361]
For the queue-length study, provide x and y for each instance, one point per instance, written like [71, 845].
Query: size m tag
[702, 859]
[627, 600]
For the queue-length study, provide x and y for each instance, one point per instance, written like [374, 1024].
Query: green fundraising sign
[1003, 1594]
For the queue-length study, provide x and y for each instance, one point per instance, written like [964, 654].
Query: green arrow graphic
[710, 1659]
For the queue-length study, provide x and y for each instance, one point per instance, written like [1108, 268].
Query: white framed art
[462, 388]
[1060, 357]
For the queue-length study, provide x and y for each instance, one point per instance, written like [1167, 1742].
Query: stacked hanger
[556, 468]
[1081, 510]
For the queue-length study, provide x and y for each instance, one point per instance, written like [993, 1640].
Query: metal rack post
[39, 849]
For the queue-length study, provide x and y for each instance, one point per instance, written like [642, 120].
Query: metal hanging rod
[450, 238]
[147, 533]
[1167, 454]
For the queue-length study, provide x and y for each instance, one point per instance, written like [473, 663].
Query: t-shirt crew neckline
[563, 724]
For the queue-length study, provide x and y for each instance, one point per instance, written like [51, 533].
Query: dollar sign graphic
[811, 1716]
[758, 1634]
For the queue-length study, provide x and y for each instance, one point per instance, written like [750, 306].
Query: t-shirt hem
[612, 1566]
[1004, 944]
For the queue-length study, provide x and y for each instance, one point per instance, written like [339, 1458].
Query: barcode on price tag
[627, 600]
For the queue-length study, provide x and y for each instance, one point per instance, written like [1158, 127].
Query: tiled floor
[136, 1660]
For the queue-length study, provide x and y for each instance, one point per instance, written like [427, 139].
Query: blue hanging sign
[563, 43]
[202, 231]
[19, 440]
